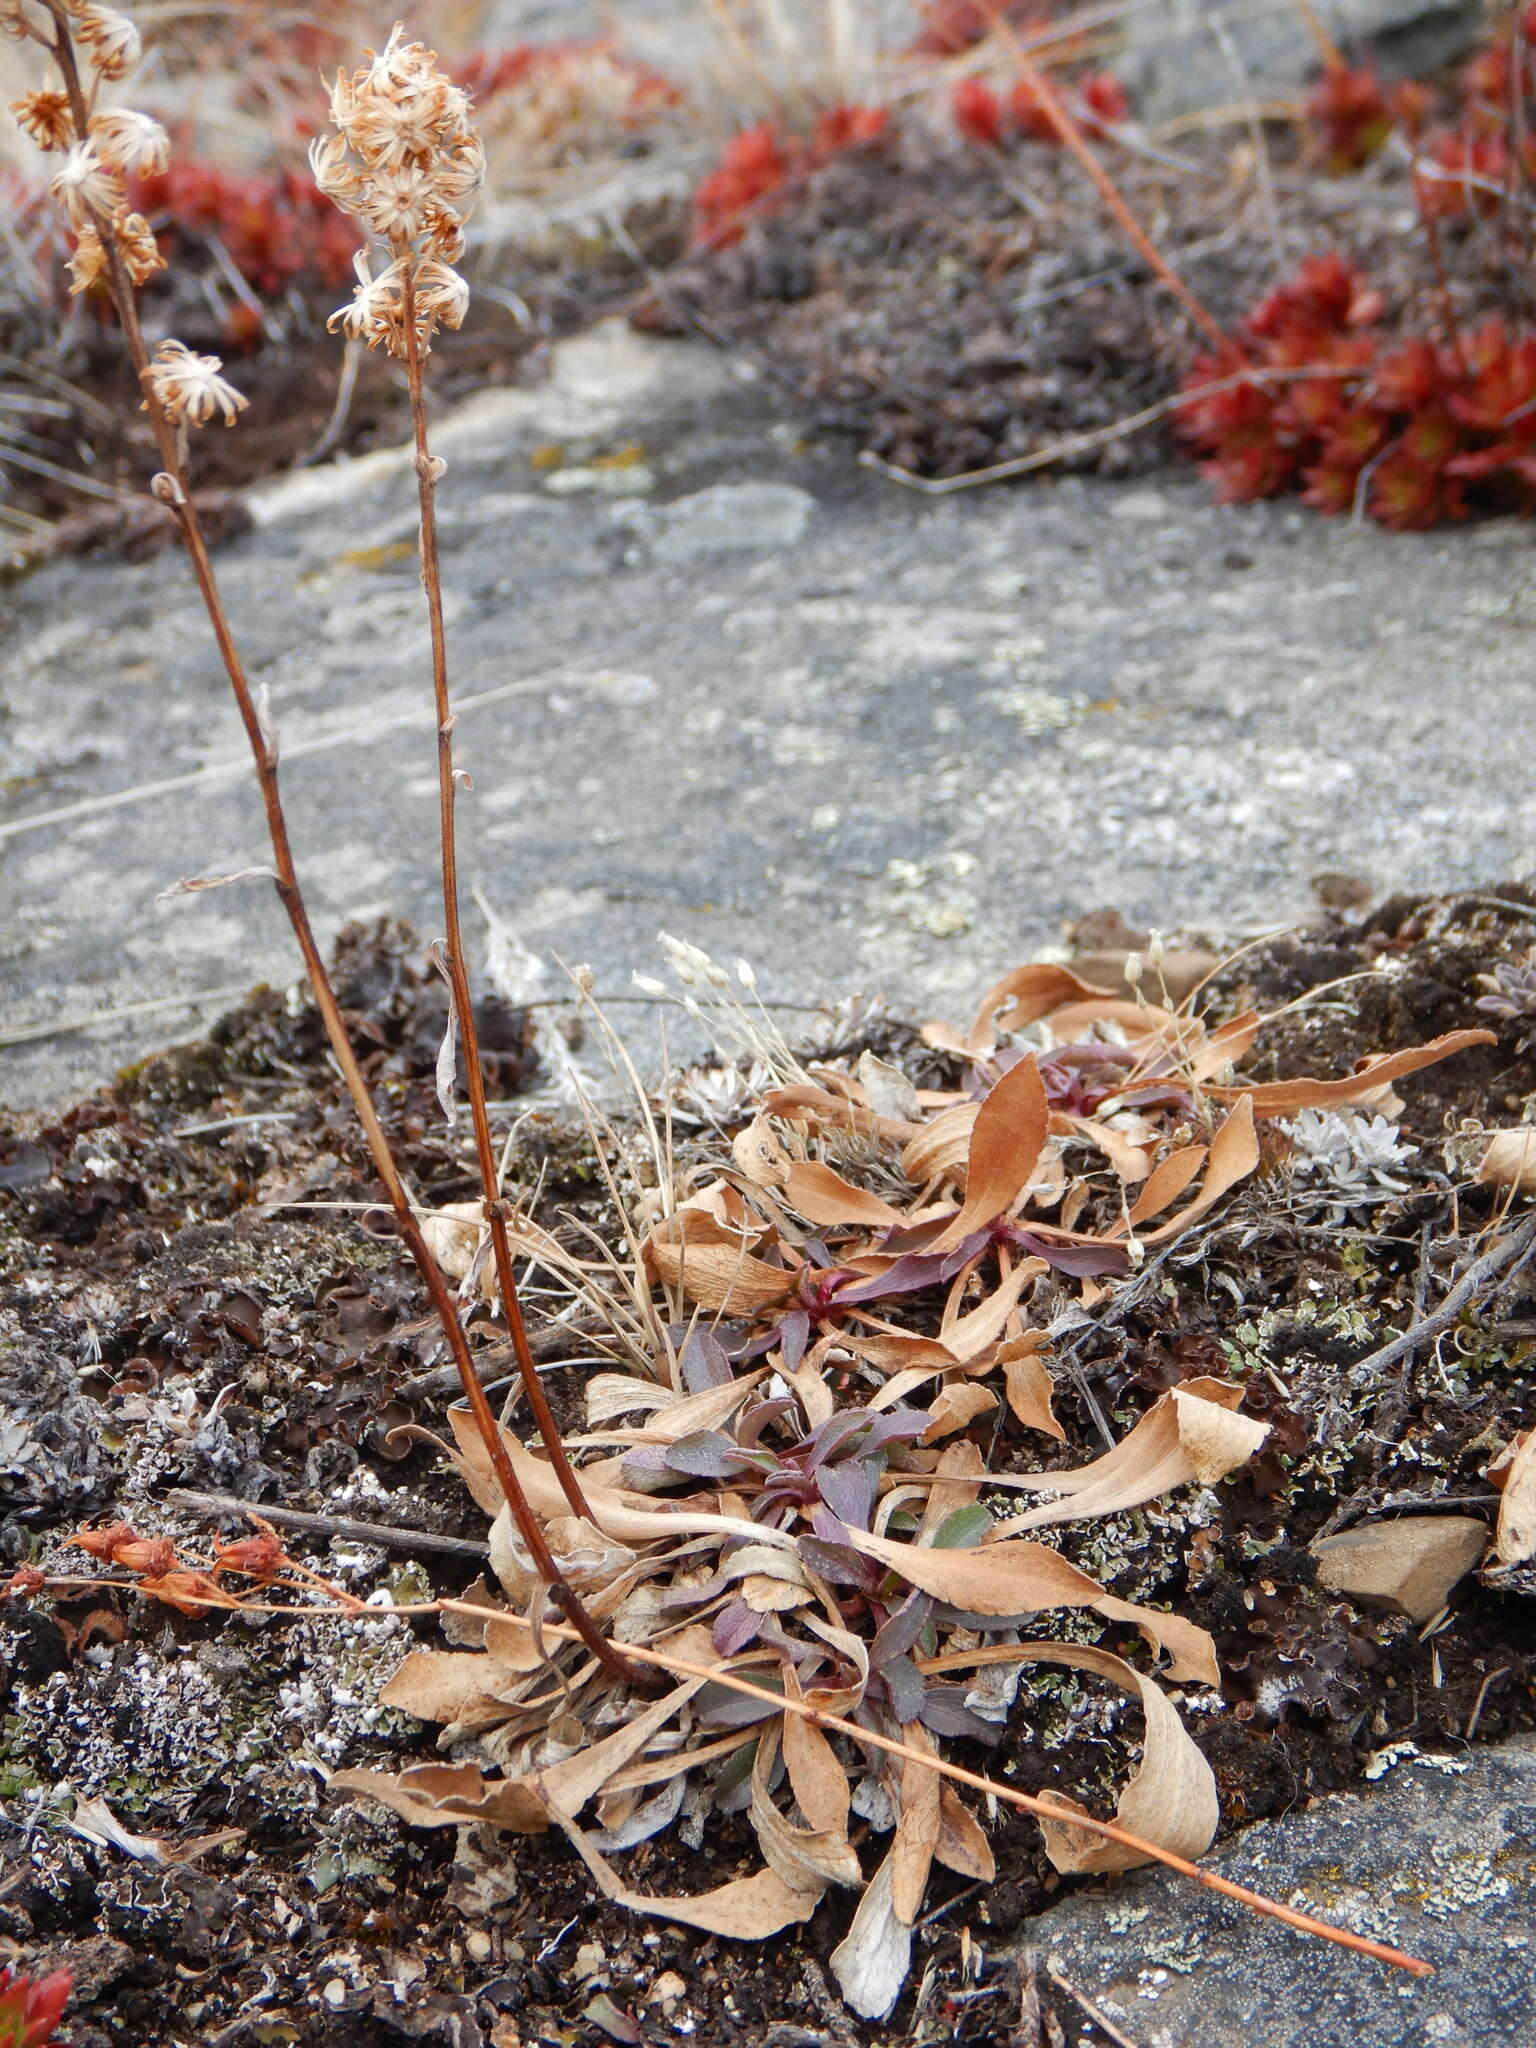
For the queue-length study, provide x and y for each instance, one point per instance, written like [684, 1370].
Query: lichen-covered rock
[1439, 1861]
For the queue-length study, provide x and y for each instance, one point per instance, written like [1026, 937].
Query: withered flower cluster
[100, 148]
[404, 163]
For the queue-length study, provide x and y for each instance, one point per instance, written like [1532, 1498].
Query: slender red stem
[458, 974]
[176, 494]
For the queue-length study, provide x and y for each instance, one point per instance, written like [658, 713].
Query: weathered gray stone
[1438, 1860]
[1183, 54]
[894, 752]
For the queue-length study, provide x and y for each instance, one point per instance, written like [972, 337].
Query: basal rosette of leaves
[794, 1488]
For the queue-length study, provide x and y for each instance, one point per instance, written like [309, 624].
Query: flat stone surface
[1437, 1860]
[732, 685]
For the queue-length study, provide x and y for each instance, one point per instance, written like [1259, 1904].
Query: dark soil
[952, 309]
[172, 1317]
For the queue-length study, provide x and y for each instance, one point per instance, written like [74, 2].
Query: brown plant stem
[1042, 1809]
[458, 975]
[1071, 137]
[173, 491]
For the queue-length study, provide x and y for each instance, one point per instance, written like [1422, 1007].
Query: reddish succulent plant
[982, 115]
[1313, 394]
[31, 2007]
[760, 163]
[1351, 115]
[276, 230]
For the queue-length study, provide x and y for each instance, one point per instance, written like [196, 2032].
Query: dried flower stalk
[183, 390]
[403, 163]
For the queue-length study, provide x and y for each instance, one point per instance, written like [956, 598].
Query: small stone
[668, 1986]
[478, 1945]
[1410, 1565]
[591, 1961]
[335, 1993]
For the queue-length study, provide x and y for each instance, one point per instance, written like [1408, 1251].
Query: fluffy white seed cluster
[90, 186]
[405, 163]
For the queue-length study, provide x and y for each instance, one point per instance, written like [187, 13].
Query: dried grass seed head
[189, 387]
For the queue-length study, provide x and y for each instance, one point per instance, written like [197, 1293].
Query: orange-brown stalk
[1072, 138]
[171, 489]
[460, 1002]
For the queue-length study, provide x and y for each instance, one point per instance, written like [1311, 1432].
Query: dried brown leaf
[816, 1778]
[955, 1408]
[1167, 1181]
[1189, 1433]
[1514, 1473]
[1021, 1578]
[1234, 1154]
[1283, 1098]
[1509, 1159]
[870, 1963]
[961, 1845]
[746, 1909]
[1004, 1149]
[1019, 999]
[450, 1796]
[809, 1858]
[917, 1827]
[724, 1279]
[565, 1787]
[451, 1685]
[1171, 1801]
[823, 1197]
[1030, 1386]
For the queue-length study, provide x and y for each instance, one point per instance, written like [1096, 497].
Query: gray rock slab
[1183, 54]
[734, 686]
[1438, 1860]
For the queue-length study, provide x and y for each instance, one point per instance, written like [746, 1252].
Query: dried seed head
[404, 162]
[377, 309]
[130, 141]
[13, 21]
[45, 116]
[87, 189]
[87, 266]
[138, 248]
[110, 40]
[189, 388]
[440, 293]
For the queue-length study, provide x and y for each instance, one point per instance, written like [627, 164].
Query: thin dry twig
[386, 1535]
[92, 1020]
[1105, 2025]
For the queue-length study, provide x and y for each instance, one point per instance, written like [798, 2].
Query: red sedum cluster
[759, 164]
[277, 230]
[984, 116]
[31, 2007]
[1313, 394]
